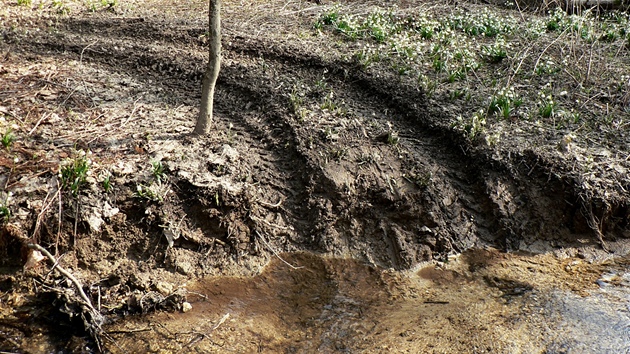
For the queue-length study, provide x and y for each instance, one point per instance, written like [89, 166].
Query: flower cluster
[504, 103]
[378, 24]
[450, 54]
[483, 23]
[5, 213]
[472, 127]
[546, 104]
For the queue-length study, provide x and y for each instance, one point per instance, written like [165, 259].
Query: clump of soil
[371, 173]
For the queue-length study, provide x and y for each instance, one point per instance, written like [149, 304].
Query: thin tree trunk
[212, 71]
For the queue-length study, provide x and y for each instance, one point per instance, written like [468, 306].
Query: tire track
[467, 199]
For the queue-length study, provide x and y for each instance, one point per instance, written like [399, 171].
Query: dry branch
[63, 271]
[95, 320]
[201, 336]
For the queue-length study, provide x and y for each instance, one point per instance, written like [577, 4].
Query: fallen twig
[76, 221]
[201, 336]
[276, 253]
[93, 321]
[138, 330]
[221, 321]
[58, 223]
[121, 125]
[40, 216]
[546, 48]
[63, 271]
[198, 294]
[38, 122]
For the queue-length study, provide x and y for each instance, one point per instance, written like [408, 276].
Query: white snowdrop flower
[16, 159]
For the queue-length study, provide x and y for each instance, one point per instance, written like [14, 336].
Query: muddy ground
[375, 175]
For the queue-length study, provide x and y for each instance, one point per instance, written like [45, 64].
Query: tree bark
[204, 120]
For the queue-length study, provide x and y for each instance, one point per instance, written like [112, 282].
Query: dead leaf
[170, 237]
[34, 257]
[48, 95]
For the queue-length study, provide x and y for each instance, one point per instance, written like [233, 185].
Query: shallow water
[599, 322]
[482, 301]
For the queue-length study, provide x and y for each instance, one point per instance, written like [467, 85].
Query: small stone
[94, 220]
[186, 306]
[109, 211]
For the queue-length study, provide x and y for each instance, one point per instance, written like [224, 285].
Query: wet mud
[474, 303]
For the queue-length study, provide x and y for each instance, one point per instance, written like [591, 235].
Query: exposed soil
[377, 178]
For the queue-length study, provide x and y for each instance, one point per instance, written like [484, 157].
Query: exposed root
[270, 205]
[40, 217]
[596, 224]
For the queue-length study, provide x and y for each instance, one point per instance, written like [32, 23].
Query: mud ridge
[466, 188]
[410, 103]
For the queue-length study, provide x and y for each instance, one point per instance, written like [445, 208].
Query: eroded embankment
[359, 161]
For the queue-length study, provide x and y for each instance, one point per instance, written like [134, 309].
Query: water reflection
[482, 301]
[597, 323]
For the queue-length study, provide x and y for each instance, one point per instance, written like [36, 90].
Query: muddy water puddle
[481, 301]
